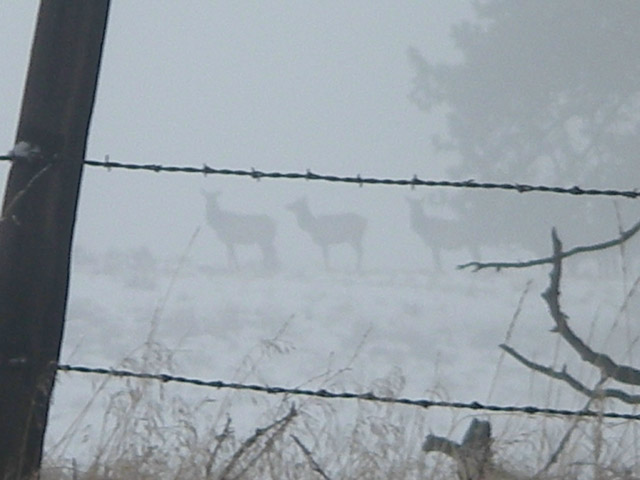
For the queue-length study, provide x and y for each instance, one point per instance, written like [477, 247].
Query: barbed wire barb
[360, 180]
[368, 396]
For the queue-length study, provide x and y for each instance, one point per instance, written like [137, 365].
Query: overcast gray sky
[282, 85]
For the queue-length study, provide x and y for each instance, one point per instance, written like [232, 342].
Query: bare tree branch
[623, 237]
[572, 381]
[608, 368]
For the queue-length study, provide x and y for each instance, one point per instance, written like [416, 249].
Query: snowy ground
[414, 333]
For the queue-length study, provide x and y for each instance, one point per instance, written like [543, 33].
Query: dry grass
[151, 431]
[147, 433]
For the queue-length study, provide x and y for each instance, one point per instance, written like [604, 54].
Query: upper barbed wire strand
[360, 180]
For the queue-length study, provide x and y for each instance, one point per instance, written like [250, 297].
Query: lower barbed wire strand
[368, 396]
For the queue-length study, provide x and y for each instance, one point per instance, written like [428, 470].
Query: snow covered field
[290, 87]
[414, 333]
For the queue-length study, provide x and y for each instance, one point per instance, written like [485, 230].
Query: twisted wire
[326, 394]
[360, 180]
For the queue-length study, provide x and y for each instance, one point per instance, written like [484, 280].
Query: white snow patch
[24, 150]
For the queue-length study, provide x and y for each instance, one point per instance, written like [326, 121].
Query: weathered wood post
[38, 216]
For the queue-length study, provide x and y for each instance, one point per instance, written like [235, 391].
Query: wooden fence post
[38, 216]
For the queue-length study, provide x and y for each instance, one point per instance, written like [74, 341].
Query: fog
[284, 87]
[378, 89]
[274, 86]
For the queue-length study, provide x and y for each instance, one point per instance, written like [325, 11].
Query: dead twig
[623, 237]
[508, 335]
[608, 368]
[279, 426]
[220, 440]
[574, 383]
[307, 453]
[562, 444]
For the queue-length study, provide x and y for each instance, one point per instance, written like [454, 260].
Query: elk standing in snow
[326, 230]
[437, 233]
[242, 229]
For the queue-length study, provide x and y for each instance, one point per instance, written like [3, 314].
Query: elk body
[326, 230]
[437, 233]
[242, 229]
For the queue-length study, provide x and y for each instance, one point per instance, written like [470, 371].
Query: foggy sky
[283, 86]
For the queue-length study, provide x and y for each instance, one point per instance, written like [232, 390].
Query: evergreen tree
[547, 92]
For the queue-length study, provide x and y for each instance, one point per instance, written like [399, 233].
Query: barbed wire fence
[359, 180]
[326, 394]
